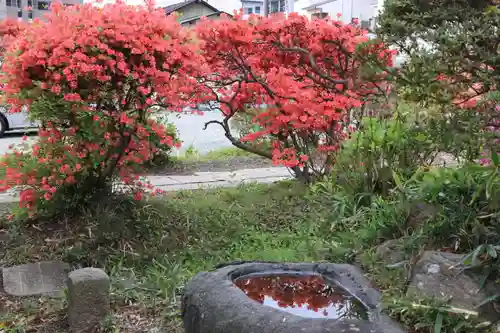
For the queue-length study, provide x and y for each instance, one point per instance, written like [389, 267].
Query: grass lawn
[223, 159]
[151, 249]
[216, 154]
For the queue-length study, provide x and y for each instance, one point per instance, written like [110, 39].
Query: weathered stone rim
[212, 303]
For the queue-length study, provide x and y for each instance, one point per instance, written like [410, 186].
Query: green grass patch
[191, 158]
[151, 249]
[192, 154]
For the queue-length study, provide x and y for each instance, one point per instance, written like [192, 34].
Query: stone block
[4, 236]
[162, 180]
[439, 274]
[41, 278]
[88, 303]
[391, 251]
[263, 173]
[204, 177]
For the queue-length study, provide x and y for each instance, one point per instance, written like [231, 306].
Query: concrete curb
[202, 180]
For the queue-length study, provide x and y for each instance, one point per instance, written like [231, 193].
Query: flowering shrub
[92, 76]
[9, 30]
[303, 76]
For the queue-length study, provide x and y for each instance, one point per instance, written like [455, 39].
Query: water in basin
[302, 295]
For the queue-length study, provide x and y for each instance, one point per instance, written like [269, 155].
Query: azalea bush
[92, 76]
[304, 77]
[162, 154]
[9, 30]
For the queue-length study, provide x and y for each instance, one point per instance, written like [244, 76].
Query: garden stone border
[212, 303]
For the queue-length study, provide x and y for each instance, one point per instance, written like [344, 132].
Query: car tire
[3, 126]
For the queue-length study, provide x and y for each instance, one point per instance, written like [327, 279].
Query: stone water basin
[256, 297]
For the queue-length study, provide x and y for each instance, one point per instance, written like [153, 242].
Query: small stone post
[88, 303]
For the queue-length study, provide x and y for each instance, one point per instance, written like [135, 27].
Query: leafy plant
[430, 315]
[191, 151]
[93, 91]
[452, 67]
[451, 45]
[383, 146]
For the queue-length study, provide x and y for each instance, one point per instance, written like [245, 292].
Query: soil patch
[230, 164]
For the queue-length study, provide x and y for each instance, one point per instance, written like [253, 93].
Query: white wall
[362, 9]
[253, 5]
[225, 5]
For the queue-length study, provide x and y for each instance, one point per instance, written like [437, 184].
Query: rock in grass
[88, 303]
[42, 278]
[440, 274]
[391, 251]
[4, 236]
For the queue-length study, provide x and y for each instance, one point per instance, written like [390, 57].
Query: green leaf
[490, 184]
[492, 252]
[483, 325]
[459, 326]
[421, 137]
[397, 180]
[439, 323]
[495, 159]
[477, 252]
[485, 278]
[487, 300]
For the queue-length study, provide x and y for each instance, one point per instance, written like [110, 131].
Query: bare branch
[227, 129]
[212, 122]
[237, 143]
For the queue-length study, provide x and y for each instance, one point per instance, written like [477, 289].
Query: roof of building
[175, 7]
[191, 19]
[320, 3]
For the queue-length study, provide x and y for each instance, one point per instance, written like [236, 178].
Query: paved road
[189, 126]
[14, 138]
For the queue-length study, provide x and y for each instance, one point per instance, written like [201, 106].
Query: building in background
[27, 10]
[281, 6]
[191, 11]
[275, 6]
[365, 11]
[252, 7]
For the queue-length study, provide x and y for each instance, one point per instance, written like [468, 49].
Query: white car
[14, 121]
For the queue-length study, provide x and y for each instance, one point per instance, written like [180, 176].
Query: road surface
[189, 126]
[16, 139]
